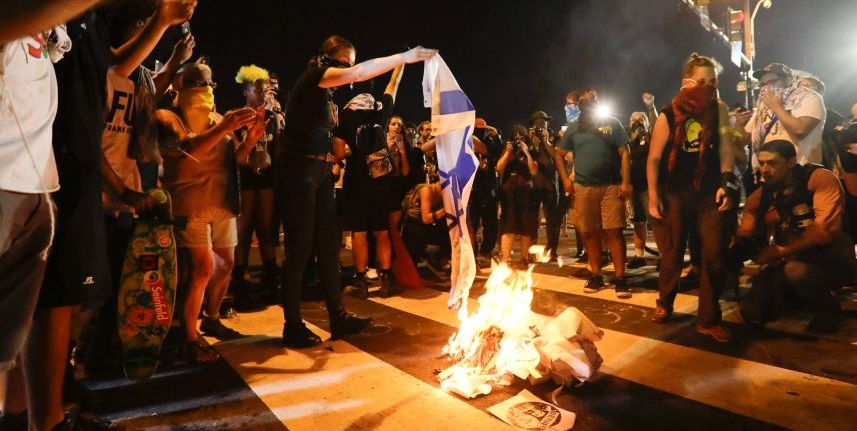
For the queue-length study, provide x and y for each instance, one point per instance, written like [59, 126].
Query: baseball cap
[778, 69]
[540, 115]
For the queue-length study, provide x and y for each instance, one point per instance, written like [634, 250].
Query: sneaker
[622, 290]
[636, 262]
[583, 258]
[594, 284]
[215, 328]
[717, 332]
[661, 314]
[371, 274]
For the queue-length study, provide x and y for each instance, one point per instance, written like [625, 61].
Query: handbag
[379, 163]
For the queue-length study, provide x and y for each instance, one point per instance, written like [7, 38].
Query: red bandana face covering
[694, 100]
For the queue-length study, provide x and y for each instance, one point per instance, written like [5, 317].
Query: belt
[329, 158]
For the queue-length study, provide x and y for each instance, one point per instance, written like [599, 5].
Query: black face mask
[587, 106]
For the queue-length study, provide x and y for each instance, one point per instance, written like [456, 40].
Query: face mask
[196, 103]
[571, 113]
[696, 99]
[587, 105]
[774, 90]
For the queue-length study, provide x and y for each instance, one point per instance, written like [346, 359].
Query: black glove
[729, 183]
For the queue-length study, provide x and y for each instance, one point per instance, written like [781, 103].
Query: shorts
[639, 206]
[250, 180]
[78, 269]
[598, 207]
[207, 228]
[26, 231]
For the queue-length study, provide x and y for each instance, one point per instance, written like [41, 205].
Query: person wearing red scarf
[690, 180]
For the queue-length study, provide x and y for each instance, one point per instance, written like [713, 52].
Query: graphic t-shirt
[118, 131]
[28, 105]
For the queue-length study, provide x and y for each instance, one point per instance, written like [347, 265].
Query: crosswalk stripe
[337, 386]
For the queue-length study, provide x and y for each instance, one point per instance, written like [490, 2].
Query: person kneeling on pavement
[802, 206]
[424, 225]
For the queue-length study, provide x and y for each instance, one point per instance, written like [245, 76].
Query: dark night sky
[513, 58]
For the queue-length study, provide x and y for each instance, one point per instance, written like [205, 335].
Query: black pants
[553, 208]
[684, 208]
[309, 220]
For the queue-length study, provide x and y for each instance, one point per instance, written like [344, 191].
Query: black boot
[344, 324]
[360, 287]
[299, 336]
[389, 287]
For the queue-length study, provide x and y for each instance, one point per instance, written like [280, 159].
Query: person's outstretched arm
[335, 77]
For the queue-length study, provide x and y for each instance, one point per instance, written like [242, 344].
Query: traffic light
[736, 25]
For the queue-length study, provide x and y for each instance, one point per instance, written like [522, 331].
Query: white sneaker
[371, 274]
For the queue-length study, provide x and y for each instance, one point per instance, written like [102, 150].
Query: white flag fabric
[452, 118]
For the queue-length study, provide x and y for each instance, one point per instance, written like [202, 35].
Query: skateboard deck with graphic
[147, 289]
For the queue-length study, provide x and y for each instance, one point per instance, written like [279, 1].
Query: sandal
[198, 352]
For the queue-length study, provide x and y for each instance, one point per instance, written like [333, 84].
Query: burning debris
[504, 338]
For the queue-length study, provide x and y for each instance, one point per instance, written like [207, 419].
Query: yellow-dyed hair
[250, 74]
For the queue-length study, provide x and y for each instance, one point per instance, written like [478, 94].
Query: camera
[539, 131]
[845, 136]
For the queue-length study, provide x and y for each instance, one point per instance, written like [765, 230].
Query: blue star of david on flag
[452, 120]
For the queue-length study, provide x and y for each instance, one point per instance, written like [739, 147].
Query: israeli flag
[452, 118]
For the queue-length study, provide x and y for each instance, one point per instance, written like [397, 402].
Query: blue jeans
[309, 220]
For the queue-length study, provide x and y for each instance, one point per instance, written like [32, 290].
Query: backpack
[371, 139]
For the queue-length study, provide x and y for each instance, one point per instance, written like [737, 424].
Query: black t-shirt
[82, 90]
[309, 120]
[357, 172]
[638, 149]
[687, 154]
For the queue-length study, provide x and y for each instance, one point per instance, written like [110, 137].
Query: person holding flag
[303, 166]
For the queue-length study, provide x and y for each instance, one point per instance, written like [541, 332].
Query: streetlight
[751, 31]
[750, 43]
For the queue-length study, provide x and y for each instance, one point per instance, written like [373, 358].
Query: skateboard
[147, 289]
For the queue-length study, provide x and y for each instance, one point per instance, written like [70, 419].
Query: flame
[505, 339]
[498, 340]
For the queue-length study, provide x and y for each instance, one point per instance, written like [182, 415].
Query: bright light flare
[603, 110]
